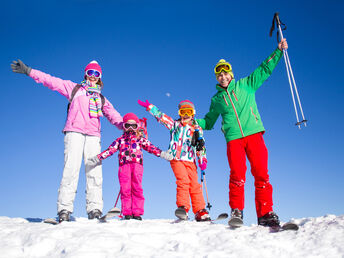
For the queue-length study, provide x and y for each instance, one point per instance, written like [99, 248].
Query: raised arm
[162, 118]
[64, 87]
[256, 79]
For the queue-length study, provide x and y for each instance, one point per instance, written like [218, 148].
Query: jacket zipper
[254, 115]
[234, 95]
[236, 114]
[225, 99]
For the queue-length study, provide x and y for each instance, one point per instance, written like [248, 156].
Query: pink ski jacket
[130, 149]
[78, 119]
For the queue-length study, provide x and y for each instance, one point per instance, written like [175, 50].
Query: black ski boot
[270, 219]
[236, 219]
[64, 215]
[94, 214]
[127, 217]
[137, 217]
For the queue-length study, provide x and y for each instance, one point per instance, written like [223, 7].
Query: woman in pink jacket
[82, 134]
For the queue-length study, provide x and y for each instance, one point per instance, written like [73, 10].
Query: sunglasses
[227, 68]
[127, 126]
[94, 73]
[188, 111]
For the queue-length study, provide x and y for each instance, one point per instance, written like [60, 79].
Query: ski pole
[205, 186]
[290, 73]
[119, 193]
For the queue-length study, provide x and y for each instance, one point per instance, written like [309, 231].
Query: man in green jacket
[243, 130]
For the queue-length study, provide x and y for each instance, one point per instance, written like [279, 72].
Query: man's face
[224, 79]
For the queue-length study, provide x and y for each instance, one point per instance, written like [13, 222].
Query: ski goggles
[186, 111]
[92, 72]
[222, 67]
[127, 126]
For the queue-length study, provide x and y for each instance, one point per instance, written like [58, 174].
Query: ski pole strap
[202, 175]
[278, 23]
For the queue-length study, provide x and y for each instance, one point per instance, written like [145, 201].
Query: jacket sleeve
[162, 118]
[112, 115]
[149, 147]
[207, 123]
[109, 151]
[201, 155]
[256, 79]
[64, 87]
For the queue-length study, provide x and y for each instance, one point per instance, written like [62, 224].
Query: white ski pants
[78, 146]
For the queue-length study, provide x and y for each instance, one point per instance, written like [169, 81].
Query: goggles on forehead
[127, 126]
[92, 72]
[186, 111]
[222, 67]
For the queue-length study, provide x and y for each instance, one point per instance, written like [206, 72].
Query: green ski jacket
[237, 104]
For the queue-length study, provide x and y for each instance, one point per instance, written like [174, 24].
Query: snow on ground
[317, 237]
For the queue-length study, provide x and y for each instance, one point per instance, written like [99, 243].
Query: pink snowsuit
[130, 169]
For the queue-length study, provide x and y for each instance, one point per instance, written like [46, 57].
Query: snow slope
[317, 237]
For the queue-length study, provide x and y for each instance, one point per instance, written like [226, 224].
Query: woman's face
[92, 79]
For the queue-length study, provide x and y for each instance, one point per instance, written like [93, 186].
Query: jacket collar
[230, 86]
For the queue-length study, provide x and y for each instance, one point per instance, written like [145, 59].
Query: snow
[317, 237]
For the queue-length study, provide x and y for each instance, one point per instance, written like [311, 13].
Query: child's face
[186, 115]
[224, 79]
[130, 125]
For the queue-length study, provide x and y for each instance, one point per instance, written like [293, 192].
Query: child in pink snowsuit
[130, 171]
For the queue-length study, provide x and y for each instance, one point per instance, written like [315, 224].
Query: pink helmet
[94, 66]
[130, 116]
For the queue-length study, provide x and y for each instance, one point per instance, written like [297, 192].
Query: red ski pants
[254, 147]
[187, 185]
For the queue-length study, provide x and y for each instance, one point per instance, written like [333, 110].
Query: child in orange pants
[184, 154]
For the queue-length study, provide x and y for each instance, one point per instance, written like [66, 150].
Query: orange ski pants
[187, 185]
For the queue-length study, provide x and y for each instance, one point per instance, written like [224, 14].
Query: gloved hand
[144, 104]
[94, 161]
[20, 67]
[166, 155]
[203, 165]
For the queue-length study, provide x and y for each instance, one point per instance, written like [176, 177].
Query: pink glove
[144, 104]
[203, 165]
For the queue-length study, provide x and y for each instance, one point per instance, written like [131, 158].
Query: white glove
[166, 155]
[94, 161]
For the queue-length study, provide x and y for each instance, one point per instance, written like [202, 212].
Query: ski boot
[94, 214]
[270, 219]
[202, 215]
[127, 217]
[137, 217]
[236, 219]
[181, 213]
[64, 215]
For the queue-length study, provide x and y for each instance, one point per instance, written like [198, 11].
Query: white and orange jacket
[181, 136]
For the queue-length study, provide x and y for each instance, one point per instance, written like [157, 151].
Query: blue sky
[150, 48]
